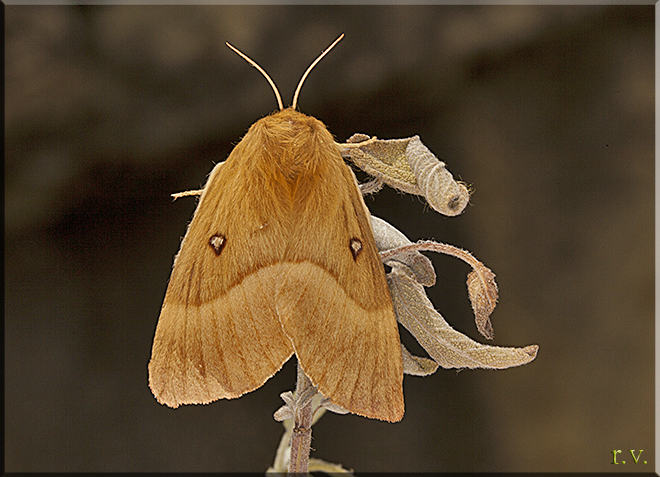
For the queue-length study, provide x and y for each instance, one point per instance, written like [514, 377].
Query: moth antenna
[302, 80]
[253, 63]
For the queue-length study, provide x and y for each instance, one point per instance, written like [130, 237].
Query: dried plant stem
[435, 247]
[187, 193]
[301, 437]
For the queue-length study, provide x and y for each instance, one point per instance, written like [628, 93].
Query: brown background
[546, 111]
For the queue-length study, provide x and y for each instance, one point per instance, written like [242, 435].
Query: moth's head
[293, 133]
[291, 117]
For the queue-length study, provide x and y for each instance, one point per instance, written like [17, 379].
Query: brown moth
[278, 259]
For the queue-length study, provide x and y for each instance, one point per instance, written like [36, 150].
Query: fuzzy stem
[301, 437]
[464, 255]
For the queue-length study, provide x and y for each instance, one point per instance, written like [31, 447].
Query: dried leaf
[283, 413]
[409, 166]
[383, 159]
[317, 409]
[482, 290]
[371, 187]
[448, 347]
[286, 411]
[415, 365]
[442, 192]
[294, 403]
[305, 397]
[388, 237]
[318, 465]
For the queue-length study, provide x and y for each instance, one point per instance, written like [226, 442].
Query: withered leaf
[286, 411]
[481, 285]
[409, 166]
[416, 365]
[482, 290]
[446, 346]
[388, 237]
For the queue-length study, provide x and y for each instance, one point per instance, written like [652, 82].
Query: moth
[280, 258]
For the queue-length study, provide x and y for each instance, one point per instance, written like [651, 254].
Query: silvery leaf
[415, 365]
[388, 237]
[447, 347]
[409, 166]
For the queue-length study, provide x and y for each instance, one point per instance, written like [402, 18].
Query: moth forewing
[216, 339]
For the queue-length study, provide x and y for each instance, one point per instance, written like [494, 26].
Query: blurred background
[546, 111]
